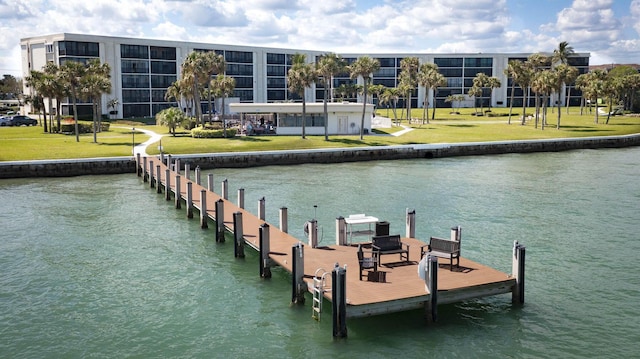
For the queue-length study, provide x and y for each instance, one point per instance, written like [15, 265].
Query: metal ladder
[319, 288]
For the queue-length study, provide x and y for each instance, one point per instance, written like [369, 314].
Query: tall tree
[328, 66]
[195, 74]
[214, 65]
[543, 84]
[364, 67]
[391, 96]
[301, 75]
[223, 87]
[480, 81]
[562, 53]
[35, 82]
[564, 74]
[72, 73]
[493, 83]
[409, 67]
[97, 81]
[171, 117]
[592, 85]
[513, 70]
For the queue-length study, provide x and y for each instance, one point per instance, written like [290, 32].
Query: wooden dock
[403, 289]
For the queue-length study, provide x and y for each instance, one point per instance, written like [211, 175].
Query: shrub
[204, 133]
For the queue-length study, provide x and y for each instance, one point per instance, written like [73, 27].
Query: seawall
[117, 165]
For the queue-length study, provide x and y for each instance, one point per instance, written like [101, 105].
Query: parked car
[4, 121]
[21, 120]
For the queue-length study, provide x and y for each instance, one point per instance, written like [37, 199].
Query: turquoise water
[102, 266]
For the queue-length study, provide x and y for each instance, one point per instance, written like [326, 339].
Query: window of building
[135, 96]
[134, 51]
[78, 48]
[49, 48]
[273, 70]
[478, 62]
[244, 95]
[448, 61]
[135, 81]
[158, 95]
[163, 67]
[244, 82]
[276, 59]
[162, 81]
[238, 69]
[276, 95]
[276, 82]
[238, 56]
[135, 66]
[163, 53]
[135, 110]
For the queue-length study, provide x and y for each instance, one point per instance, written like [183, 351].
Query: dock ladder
[319, 288]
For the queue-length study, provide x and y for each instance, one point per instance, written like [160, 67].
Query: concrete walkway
[142, 147]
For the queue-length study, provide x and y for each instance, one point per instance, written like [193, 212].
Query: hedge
[83, 127]
[201, 133]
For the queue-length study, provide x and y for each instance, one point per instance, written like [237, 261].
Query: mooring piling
[203, 209]
[339, 301]
[265, 261]
[238, 235]
[411, 223]
[241, 198]
[298, 285]
[220, 221]
[284, 219]
[517, 293]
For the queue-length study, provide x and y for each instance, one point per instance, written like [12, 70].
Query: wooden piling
[517, 293]
[238, 235]
[203, 209]
[144, 169]
[265, 261]
[284, 219]
[189, 199]
[167, 184]
[261, 208]
[339, 301]
[178, 167]
[158, 187]
[197, 175]
[431, 280]
[138, 164]
[178, 195]
[151, 181]
[313, 233]
[341, 231]
[225, 189]
[411, 223]
[298, 285]
[210, 182]
[241, 198]
[187, 171]
[220, 221]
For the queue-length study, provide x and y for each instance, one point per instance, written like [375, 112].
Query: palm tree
[363, 67]
[35, 82]
[544, 84]
[480, 81]
[438, 81]
[391, 96]
[565, 74]
[300, 76]
[72, 73]
[96, 82]
[171, 117]
[475, 91]
[194, 73]
[493, 83]
[214, 65]
[425, 78]
[409, 67]
[328, 65]
[563, 52]
[537, 62]
[592, 85]
[513, 70]
[223, 86]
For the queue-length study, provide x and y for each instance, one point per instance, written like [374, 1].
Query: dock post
[168, 157]
[198, 181]
[178, 192]
[238, 235]
[241, 198]
[517, 293]
[144, 169]
[151, 180]
[341, 231]
[138, 172]
[225, 189]
[203, 209]
[284, 220]
[313, 233]
[187, 171]
[158, 182]
[411, 223]
[220, 221]
[177, 166]
[167, 184]
[431, 281]
[210, 182]
[261, 208]
[189, 199]
[265, 270]
[298, 285]
[339, 301]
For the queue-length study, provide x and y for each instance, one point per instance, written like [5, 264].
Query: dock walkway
[403, 289]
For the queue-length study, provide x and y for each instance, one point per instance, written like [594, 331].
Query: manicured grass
[25, 143]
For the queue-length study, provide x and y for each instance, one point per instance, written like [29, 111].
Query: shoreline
[121, 165]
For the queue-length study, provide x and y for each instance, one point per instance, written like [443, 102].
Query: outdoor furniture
[391, 244]
[359, 225]
[366, 263]
[443, 248]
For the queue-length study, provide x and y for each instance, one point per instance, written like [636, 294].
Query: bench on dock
[389, 245]
[443, 248]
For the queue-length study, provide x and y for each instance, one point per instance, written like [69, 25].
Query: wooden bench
[389, 245]
[443, 248]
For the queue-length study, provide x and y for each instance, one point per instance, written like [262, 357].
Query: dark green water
[102, 266]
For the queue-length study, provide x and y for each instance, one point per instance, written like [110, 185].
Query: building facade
[142, 69]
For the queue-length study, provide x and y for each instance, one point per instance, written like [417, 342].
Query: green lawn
[26, 143]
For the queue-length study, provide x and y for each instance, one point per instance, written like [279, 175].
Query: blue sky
[608, 29]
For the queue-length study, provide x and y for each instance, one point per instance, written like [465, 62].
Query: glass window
[451, 72]
[454, 82]
[387, 62]
[276, 95]
[276, 59]
[244, 82]
[478, 62]
[273, 70]
[578, 61]
[134, 51]
[276, 82]
[448, 61]
[238, 69]
[135, 81]
[385, 82]
[157, 107]
[135, 66]
[163, 67]
[162, 81]
[158, 95]
[239, 56]
[163, 53]
[473, 71]
[78, 48]
[385, 72]
[135, 96]
[244, 95]
[135, 110]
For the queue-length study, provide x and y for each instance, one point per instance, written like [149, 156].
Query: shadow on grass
[461, 126]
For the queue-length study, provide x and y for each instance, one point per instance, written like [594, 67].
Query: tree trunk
[513, 87]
